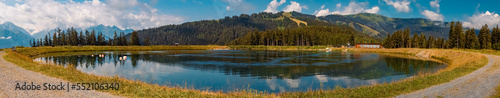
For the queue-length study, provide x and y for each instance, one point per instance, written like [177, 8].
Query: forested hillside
[379, 26]
[486, 39]
[224, 30]
[305, 36]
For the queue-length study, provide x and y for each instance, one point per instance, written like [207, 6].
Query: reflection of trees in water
[278, 64]
[85, 60]
[409, 66]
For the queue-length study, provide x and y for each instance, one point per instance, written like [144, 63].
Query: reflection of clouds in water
[322, 78]
[273, 85]
[353, 82]
[229, 72]
[342, 81]
[346, 81]
[144, 70]
[293, 83]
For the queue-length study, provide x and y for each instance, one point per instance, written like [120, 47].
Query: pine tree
[123, 40]
[484, 37]
[416, 41]
[469, 40]
[431, 42]
[82, 39]
[49, 41]
[458, 32]
[55, 39]
[452, 38]
[423, 40]
[88, 40]
[115, 40]
[386, 43]
[93, 40]
[146, 41]
[31, 43]
[407, 39]
[495, 35]
[134, 39]
[63, 38]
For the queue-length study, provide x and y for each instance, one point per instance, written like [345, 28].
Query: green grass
[459, 63]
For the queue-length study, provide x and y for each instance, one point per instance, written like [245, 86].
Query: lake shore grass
[47, 49]
[459, 63]
[262, 47]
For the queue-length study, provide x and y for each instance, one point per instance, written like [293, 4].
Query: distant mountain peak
[13, 35]
[13, 28]
[107, 31]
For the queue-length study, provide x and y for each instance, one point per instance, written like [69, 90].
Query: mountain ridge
[375, 25]
[13, 35]
[108, 31]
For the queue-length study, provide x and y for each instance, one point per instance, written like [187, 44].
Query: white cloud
[271, 7]
[294, 6]
[228, 8]
[5, 37]
[478, 20]
[400, 6]
[432, 15]
[435, 4]
[338, 6]
[352, 8]
[122, 4]
[373, 10]
[323, 12]
[39, 15]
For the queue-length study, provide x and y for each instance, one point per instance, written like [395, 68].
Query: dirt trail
[11, 74]
[478, 84]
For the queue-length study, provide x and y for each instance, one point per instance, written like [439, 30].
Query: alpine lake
[271, 71]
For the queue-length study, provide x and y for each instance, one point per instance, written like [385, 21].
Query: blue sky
[452, 10]
[38, 15]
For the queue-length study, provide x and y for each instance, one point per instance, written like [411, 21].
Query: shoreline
[345, 91]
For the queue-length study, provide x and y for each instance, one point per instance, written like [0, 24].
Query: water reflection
[271, 71]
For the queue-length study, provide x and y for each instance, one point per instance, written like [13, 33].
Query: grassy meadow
[459, 63]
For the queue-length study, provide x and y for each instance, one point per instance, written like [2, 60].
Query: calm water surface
[270, 71]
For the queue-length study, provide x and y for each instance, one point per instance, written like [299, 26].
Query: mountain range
[223, 30]
[229, 28]
[379, 26]
[107, 31]
[12, 35]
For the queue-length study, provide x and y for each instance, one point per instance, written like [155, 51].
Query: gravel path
[478, 84]
[11, 74]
